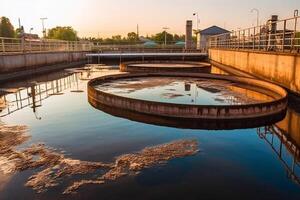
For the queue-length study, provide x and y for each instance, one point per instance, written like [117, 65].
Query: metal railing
[287, 152]
[141, 48]
[275, 35]
[21, 45]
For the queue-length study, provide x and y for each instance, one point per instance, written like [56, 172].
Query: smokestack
[273, 29]
[189, 34]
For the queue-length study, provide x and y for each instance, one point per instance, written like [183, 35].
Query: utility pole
[19, 23]
[165, 29]
[43, 25]
[257, 15]
[198, 21]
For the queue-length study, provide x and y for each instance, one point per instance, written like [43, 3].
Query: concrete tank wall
[281, 68]
[19, 62]
[212, 112]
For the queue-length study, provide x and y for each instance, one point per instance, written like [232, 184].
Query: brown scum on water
[55, 167]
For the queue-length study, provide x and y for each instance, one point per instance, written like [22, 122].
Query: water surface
[181, 90]
[260, 163]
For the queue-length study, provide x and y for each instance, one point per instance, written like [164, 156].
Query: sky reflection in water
[231, 164]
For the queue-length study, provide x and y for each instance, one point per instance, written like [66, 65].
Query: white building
[203, 35]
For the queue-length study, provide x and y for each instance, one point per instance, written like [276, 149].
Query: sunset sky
[111, 17]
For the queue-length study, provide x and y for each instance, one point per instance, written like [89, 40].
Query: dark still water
[260, 163]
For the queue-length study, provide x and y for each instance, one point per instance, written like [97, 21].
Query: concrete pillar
[189, 34]
[272, 32]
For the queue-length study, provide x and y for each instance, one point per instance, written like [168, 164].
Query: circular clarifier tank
[189, 96]
[165, 66]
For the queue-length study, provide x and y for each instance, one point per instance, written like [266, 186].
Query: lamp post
[31, 29]
[197, 17]
[43, 25]
[257, 15]
[165, 29]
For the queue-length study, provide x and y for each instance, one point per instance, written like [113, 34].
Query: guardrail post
[259, 39]
[249, 39]
[295, 40]
[30, 46]
[23, 44]
[253, 38]
[3, 45]
[244, 41]
[239, 37]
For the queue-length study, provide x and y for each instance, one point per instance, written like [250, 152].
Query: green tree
[132, 36]
[179, 38]
[63, 33]
[6, 28]
[160, 37]
[116, 38]
[19, 31]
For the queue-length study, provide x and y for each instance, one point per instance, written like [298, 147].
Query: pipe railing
[275, 35]
[141, 48]
[21, 45]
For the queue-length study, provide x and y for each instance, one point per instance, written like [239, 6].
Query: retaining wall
[19, 62]
[215, 112]
[193, 67]
[280, 68]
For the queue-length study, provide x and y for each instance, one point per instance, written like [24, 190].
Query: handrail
[26, 45]
[22, 45]
[277, 35]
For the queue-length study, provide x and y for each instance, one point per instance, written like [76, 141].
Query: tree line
[69, 34]
[133, 38]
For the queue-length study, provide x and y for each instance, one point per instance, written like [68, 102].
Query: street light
[31, 29]
[43, 25]
[197, 15]
[165, 29]
[257, 15]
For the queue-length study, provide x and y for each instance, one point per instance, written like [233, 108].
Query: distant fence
[19, 45]
[275, 35]
[141, 48]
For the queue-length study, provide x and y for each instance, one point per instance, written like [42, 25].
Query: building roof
[213, 30]
[150, 44]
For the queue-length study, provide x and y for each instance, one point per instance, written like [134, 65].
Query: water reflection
[188, 123]
[195, 91]
[34, 95]
[102, 137]
[216, 70]
[285, 148]
[283, 137]
[31, 93]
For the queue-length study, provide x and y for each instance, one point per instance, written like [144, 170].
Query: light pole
[197, 15]
[31, 29]
[165, 29]
[257, 15]
[43, 25]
